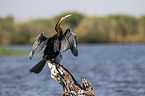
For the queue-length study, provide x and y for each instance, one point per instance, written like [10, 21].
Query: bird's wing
[69, 41]
[40, 41]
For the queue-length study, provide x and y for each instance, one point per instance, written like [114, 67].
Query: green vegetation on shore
[106, 29]
[7, 52]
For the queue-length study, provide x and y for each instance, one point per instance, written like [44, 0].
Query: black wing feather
[40, 42]
[69, 41]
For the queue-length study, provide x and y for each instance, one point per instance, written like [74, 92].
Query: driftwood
[70, 85]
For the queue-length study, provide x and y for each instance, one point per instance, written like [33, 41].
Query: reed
[106, 29]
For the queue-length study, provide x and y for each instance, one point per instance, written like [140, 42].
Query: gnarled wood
[70, 85]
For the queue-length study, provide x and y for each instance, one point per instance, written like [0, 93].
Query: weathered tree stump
[70, 85]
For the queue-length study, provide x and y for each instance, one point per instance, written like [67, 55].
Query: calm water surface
[113, 70]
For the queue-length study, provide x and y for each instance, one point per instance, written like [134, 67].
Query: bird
[61, 41]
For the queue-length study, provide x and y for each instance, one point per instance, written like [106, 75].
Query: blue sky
[32, 9]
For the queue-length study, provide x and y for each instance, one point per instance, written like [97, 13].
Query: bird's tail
[38, 67]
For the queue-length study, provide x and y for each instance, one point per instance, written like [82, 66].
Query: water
[113, 70]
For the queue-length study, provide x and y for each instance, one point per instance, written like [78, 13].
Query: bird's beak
[65, 17]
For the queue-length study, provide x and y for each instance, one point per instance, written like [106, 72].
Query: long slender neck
[58, 29]
[59, 33]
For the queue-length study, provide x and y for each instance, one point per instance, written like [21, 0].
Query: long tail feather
[38, 67]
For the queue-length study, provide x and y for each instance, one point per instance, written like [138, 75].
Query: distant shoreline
[119, 29]
[9, 52]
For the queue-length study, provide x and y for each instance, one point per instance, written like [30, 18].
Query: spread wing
[69, 41]
[40, 41]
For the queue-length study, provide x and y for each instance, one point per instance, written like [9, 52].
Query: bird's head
[57, 27]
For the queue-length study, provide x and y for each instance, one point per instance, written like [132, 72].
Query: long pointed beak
[65, 17]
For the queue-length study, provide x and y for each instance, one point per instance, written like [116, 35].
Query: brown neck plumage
[58, 29]
[59, 32]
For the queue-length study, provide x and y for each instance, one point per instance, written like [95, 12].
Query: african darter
[53, 45]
